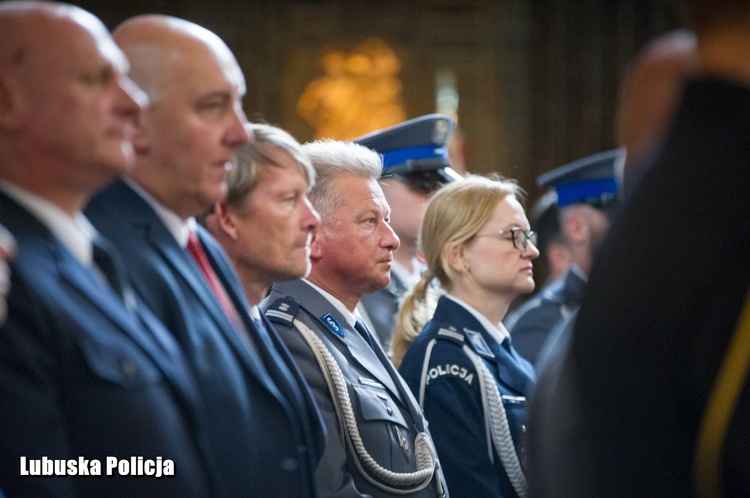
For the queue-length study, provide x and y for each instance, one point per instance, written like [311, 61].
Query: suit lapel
[347, 340]
[161, 349]
[505, 365]
[160, 240]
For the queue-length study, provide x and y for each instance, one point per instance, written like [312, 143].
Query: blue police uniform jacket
[453, 400]
[387, 415]
[531, 324]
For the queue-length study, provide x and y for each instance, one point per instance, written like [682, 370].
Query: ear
[226, 220]
[11, 103]
[140, 139]
[454, 256]
[316, 251]
[576, 228]
[558, 257]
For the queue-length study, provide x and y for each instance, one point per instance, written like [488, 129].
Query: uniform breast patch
[333, 325]
[479, 344]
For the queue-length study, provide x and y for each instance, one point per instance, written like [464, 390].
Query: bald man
[261, 416]
[92, 388]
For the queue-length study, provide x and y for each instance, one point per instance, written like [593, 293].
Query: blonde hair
[243, 178]
[453, 217]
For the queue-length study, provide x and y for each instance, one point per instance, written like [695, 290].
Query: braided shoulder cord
[426, 460]
[498, 422]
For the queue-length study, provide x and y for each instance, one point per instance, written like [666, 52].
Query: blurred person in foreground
[649, 96]
[653, 390]
[260, 422]
[87, 376]
[462, 367]
[415, 164]
[378, 443]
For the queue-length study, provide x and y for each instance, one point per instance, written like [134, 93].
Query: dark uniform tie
[361, 328]
[506, 343]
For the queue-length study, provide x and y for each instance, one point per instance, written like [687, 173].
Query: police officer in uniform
[462, 367]
[415, 164]
[587, 193]
[378, 443]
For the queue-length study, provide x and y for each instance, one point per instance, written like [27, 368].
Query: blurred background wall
[533, 83]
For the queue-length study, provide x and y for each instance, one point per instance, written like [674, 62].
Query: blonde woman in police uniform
[467, 377]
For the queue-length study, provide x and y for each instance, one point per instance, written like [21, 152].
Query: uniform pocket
[378, 405]
[120, 363]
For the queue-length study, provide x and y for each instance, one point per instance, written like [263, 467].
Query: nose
[310, 218]
[389, 239]
[237, 135]
[7, 244]
[531, 251]
[131, 98]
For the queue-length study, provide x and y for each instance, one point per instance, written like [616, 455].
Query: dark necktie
[195, 249]
[506, 343]
[361, 328]
[107, 265]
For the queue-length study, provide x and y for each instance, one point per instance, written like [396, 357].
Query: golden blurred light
[360, 92]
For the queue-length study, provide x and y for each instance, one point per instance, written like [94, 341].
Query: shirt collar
[350, 317]
[179, 228]
[498, 332]
[75, 232]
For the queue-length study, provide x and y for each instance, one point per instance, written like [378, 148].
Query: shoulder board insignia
[333, 325]
[451, 333]
[283, 311]
[478, 343]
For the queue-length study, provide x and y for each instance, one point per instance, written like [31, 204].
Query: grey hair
[332, 158]
[244, 175]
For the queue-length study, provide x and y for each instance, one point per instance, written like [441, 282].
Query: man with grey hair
[378, 442]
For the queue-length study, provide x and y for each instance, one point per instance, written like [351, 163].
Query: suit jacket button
[289, 464]
[128, 367]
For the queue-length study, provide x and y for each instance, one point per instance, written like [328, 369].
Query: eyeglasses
[520, 237]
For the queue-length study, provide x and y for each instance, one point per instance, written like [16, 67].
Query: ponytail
[415, 311]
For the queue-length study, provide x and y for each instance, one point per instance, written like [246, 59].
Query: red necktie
[196, 250]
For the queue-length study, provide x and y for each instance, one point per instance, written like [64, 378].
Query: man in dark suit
[259, 419]
[377, 437]
[663, 306]
[87, 377]
[415, 164]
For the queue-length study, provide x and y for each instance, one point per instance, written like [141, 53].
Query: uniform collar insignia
[478, 343]
[333, 325]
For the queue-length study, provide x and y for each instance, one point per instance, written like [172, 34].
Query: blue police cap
[593, 180]
[415, 151]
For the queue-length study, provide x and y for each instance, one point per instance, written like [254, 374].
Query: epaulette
[555, 294]
[452, 334]
[479, 344]
[283, 311]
